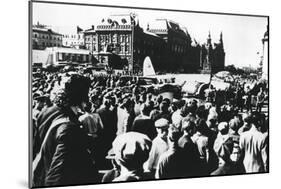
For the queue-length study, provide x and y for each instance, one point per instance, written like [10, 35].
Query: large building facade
[176, 43]
[121, 36]
[43, 37]
[168, 44]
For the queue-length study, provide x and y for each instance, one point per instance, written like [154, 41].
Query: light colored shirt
[201, 142]
[253, 144]
[159, 146]
[122, 121]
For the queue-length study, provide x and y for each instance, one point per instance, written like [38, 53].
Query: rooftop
[45, 30]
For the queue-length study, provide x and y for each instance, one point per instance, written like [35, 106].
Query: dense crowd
[98, 128]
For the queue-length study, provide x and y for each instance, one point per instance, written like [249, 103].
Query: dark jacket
[172, 164]
[227, 169]
[64, 158]
[191, 155]
[44, 121]
[145, 126]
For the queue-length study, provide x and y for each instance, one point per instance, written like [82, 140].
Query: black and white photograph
[129, 94]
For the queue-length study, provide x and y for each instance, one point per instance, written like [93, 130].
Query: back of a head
[223, 148]
[106, 102]
[74, 91]
[145, 109]
[223, 128]
[154, 115]
[255, 118]
[131, 149]
[174, 133]
[247, 118]
[88, 107]
[234, 124]
[167, 101]
[127, 103]
[164, 106]
[201, 126]
[187, 124]
[201, 112]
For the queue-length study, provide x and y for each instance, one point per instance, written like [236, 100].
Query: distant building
[74, 40]
[176, 46]
[91, 40]
[43, 37]
[121, 35]
[60, 56]
[121, 39]
[114, 34]
[212, 56]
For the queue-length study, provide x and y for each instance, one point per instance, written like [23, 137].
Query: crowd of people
[98, 129]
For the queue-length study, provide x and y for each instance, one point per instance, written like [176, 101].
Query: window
[127, 38]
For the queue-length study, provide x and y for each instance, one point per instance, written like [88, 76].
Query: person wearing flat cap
[222, 137]
[203, 145]
[110, 175]
[171, 163]
[223, 148]
[190, 151]
[159, 144]
[131, 150]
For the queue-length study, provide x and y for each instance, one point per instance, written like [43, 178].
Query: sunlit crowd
[90, 128]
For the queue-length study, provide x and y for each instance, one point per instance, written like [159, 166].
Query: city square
[125, 99]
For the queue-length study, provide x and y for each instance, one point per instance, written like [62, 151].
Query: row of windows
[47, 37]
[177, 49]
[73, 36]
[91, 47]
[73, 43]
[115, 27]
[51, 44]
[72, 57]
[115, 38]
[90, 39]
[119, 49]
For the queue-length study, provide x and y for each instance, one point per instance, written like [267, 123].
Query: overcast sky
[241, 34]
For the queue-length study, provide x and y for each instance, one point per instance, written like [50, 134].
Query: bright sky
[241, 34]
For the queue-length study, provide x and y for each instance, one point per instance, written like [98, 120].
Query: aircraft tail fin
[148, 69]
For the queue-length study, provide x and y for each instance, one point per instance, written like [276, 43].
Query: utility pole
[132, 49]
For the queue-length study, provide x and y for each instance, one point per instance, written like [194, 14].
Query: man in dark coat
[109, 130]
[143, 123]
[190, 151]
[64, 158]
[171, 162]
[43, 122]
